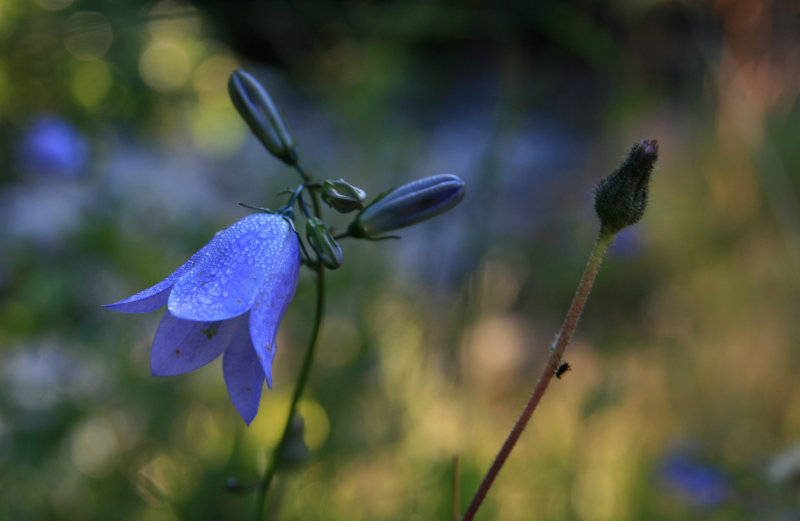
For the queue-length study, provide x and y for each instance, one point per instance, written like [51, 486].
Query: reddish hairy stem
[604, 240]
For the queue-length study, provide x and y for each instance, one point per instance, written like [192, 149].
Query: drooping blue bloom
[228, 297]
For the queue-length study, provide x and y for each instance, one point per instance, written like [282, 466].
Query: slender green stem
[313, 188]
[602, 243]
[302, 379]
[277, 454]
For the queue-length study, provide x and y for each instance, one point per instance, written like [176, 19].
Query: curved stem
[313, 188]
[303, 174]
[277, 454]
[602, 243]
[302, 379]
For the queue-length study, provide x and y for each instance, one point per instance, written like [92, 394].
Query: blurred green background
[122, 155]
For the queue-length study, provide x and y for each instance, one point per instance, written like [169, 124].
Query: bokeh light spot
[88, 35]
[317, 425]
[173, 18]
[90, 83]
[54, 5]
[265, 430]
[164, 477]
[217, 131]
[165, 65]
[211, 78]
[94, 447]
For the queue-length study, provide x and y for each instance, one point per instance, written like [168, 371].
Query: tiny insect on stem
[563, 368]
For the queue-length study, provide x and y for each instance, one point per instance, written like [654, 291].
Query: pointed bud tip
[262, 116]
[650, 146]
[409, 204]
[621, 198]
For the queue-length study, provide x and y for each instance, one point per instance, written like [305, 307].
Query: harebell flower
[229, 298]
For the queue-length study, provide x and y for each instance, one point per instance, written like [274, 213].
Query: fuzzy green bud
[342, 196]
[409, 204]
[322, 242]
[621, 198]
[262, 116]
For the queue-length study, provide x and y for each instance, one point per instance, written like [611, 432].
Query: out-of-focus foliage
[123, 155]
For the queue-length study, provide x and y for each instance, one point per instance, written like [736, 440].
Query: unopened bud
[342, 196]
[409, 204]
[295, 451]
[621, 198]
[262, 116]
[323, 243]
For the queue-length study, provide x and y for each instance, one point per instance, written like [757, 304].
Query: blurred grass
[687, 351]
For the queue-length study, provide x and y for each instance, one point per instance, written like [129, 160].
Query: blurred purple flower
[52, 146]
[698, 482]
[228, 297]
[628, 243]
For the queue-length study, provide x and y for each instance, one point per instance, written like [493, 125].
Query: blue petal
[145, 301]
[243, 374]
[155, 296]
[236, 263]
[181, 346]
[268, 310]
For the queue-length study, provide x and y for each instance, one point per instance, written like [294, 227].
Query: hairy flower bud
[621, 198]
[323, 243]
[342, 196]
[409, 204]
[262, 116]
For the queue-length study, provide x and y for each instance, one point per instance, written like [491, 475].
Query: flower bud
[409, 204]
[342, 196]
[295, 451]
[621, 198]
[262, 116]
[323, 243]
